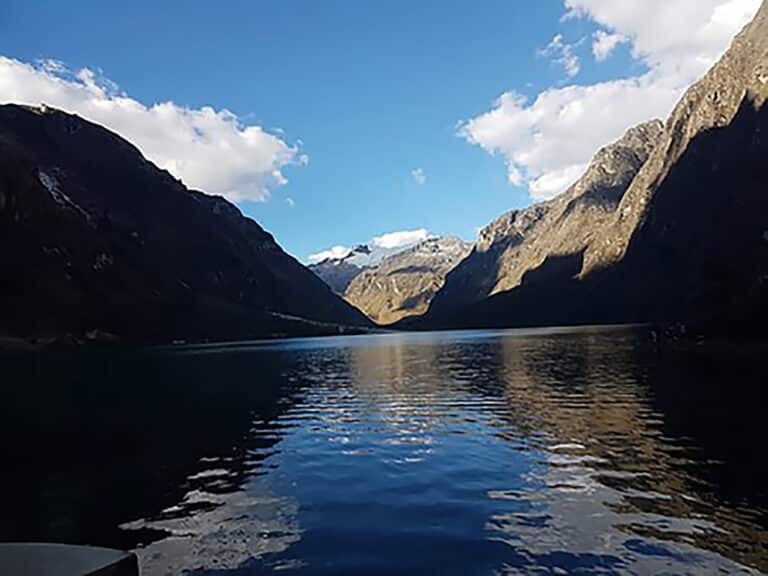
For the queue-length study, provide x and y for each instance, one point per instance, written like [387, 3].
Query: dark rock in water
[63, 560]
[95, 237]
[684, 240]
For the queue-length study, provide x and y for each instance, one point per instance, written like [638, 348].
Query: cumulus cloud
[677, 36]
[563, 54]
[604, 43]
[419, 176]
[548, 141]
[208, 149]
[335, 253]
[400, 239]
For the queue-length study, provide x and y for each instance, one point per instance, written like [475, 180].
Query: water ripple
[537, 452]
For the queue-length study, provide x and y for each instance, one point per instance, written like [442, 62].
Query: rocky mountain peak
[448, 246]
[611, 169]
[339, 273]
[403, 284]
[510, 227]
[619, 162]
[521, 240]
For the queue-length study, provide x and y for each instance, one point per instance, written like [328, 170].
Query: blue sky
[369, 92]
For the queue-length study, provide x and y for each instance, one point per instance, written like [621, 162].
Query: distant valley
[667, 225]
[398, 286]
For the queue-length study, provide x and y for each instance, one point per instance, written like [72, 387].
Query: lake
[519, 452]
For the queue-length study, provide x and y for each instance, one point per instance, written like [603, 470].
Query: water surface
[523, 452]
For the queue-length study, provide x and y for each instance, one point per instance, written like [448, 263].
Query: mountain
[690, 237]
[521, 241]
[727, 100]
[403, 285]
[95, 237]
[338, 273]
[682, 235]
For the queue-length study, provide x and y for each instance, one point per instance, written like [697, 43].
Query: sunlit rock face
[390, 284]
[686, 242]
[520, 241]
[737, 82]
[95, 237]
[403, 285]
[680, 237]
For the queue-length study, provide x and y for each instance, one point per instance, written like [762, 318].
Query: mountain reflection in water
[544, 451]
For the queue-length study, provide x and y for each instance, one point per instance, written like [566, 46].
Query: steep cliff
[521, 241]
[683, 239]
[690, 239]
[738, 81]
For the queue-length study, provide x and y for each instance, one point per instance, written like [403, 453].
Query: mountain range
[338, 273]
[398, 286]
[520, 242]
[666, 225]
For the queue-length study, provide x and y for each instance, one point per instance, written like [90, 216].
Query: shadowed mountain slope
[93, 236]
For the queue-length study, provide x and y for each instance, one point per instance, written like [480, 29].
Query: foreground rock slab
[63, 560]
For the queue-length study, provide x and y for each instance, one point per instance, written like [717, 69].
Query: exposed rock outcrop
[740, 78]
[403, 285]
[522, 240]
[683, 239]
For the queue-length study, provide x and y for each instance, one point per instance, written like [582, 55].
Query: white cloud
[335, 253]
[399, 239]
[291, 202]
[683, 36]
[555, 181]
[208, 149]
[604, 43]
[562, 54]
[548, 141]
[419, 176]
[381, 247]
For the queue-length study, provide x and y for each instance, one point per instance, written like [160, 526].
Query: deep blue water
[523, 452]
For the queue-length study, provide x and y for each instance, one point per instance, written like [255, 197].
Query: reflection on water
[545, 452]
